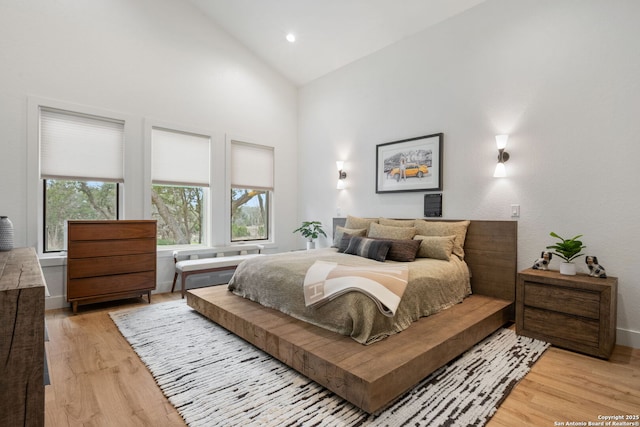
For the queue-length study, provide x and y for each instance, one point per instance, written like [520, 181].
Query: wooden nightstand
[574, 312]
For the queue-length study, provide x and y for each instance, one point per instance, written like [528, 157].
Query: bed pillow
[402, 250]
[344, 243]
[397, 222]
[390, 232]
[357, 223]
[436, 247]
[368, 248]
[442, 228]
[340, 231]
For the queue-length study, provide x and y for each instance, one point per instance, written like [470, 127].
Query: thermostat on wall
[433, 205]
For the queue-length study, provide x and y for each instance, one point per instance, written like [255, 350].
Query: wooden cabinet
[22, 291]
[574, 312]
[109, 260]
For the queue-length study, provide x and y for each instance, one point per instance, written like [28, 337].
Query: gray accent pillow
[340, 231]
[402, 250]
[344, 243]
[368, 248]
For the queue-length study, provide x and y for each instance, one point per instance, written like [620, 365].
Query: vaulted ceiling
[329, 33]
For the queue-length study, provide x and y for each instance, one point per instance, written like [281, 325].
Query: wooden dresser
[109, 260]
[574, 312]
[22, 291]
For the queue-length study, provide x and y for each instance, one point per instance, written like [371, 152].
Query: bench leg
[173, 286]
[185, 274]
[184, 283]
[175, 279]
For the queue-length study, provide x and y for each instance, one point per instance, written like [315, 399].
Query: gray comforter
[276, 281]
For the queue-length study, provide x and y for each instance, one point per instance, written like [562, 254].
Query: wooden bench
[219, 262]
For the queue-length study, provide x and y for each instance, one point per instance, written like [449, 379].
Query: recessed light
[291, 38]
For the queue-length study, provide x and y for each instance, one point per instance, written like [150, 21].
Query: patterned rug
[214, 378]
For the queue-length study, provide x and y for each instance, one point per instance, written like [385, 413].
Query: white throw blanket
[325, 281]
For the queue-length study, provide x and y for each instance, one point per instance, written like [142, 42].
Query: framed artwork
[413, 164]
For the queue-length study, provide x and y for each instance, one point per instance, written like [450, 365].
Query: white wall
[561, 77]
[149, 59]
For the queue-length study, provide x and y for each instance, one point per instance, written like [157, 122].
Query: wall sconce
[341, 175]
[503, 156]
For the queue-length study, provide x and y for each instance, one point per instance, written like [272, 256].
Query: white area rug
[214, 378]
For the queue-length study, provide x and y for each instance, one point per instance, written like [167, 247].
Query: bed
[372, 376]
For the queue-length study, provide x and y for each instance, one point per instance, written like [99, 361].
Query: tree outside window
[249, 214]
[179, 212]
[75, 200]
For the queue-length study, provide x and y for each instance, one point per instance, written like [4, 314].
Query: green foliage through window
[249, 214]
[65, 200]
[179, 212]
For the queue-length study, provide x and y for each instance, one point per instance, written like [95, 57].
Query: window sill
[57, 259]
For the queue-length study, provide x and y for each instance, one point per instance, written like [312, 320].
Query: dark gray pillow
[368, 248]
[340, 231]
[344, 242]
[402, 250]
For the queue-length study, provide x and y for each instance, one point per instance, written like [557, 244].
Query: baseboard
[162, 288]
[628, 338]
[54, 302]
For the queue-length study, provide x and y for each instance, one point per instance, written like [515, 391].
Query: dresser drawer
[110, 266]
[111, 230]
[564, 300]
[99, 286]
[105, 248]
[562, 326]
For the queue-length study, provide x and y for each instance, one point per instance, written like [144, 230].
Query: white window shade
[77, 146]
[252, 166]
[180, 158]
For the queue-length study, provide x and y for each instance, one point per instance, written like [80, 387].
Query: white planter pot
[568, 269]
[311, 245]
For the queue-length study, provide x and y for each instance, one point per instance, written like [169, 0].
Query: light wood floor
[97, 380]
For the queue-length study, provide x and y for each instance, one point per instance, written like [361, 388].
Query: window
[252, 169]
[180, 181]
[81, 165]
[249, 214]
[66, 199]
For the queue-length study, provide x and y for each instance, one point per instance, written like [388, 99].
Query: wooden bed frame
[373, 376]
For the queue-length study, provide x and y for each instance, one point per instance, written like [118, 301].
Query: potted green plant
[568, 250]
[310, 230]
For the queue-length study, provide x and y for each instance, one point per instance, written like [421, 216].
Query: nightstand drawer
[564, 300]
[562, 326]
